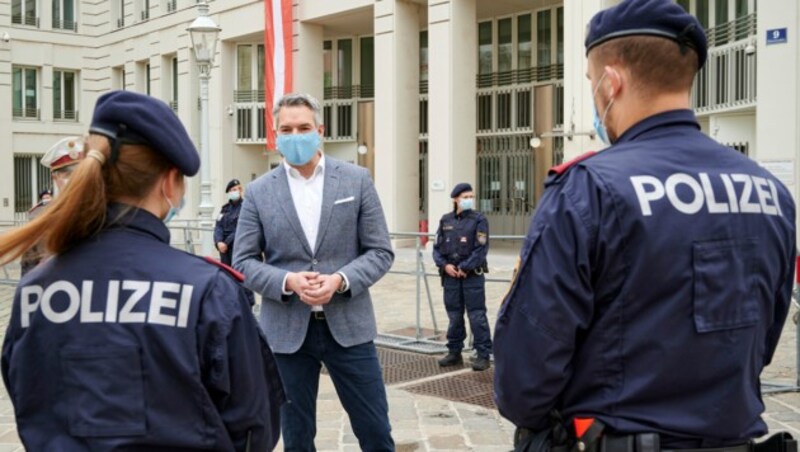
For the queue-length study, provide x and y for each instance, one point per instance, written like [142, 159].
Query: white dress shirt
[307, 200]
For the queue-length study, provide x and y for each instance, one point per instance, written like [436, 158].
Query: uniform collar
[667, 118]
[127, 216]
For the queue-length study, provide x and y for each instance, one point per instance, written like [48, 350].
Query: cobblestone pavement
[422, 423]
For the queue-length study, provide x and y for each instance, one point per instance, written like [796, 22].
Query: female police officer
[120, 341]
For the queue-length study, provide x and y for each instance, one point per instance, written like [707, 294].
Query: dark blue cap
[231, 184]
[663, 18]
[460, 188]
[128, 117]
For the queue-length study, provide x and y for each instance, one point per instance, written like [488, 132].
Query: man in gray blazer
[311, 240]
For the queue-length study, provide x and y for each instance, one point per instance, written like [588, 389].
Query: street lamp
[204, 32]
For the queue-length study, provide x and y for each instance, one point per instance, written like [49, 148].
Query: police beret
[231, 184]
[663, 18]
[128, 117]
[67, 151]
[460, 188]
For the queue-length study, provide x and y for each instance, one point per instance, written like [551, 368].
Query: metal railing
[65, 115]
[65, 24]
[727, 82]
[25, 19]
[740, 28]
[537, 74]
[27, 113]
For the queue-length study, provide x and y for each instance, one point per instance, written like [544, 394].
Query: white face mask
[234, 196]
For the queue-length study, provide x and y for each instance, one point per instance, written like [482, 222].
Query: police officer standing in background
[61, 159]
[656, 275]
[462, 242]
[225, 229]
[119, 341]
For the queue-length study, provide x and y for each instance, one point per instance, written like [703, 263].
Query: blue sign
[776, 36]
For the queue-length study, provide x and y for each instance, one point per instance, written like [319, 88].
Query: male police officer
[462, 242]
[666, 252]
[225, 229]
[61, 158]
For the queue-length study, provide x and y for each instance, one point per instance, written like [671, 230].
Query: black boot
[452, 359]
[481, 363]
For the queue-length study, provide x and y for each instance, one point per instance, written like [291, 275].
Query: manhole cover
[400, 366]
[474, 388]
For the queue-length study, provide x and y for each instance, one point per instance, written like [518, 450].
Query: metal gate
[506, 182]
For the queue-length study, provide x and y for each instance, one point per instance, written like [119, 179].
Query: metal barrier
[187, 235]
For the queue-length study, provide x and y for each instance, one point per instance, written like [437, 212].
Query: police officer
[462, 242]
[656, 275]
[61, 159]
[119, 341]
[225, 229]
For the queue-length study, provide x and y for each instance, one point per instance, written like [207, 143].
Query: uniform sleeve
[478, 255]
[550, 302]
[238, 368]
[218, 227]
[783, 297]
[8, 350]
[437, 255]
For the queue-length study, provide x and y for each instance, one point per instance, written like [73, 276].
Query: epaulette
[562, 168]
[239, 276]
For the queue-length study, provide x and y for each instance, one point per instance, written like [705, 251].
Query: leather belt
[318, 315]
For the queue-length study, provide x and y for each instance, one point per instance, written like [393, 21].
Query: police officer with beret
[225, 228]
[119, 341]
[656, 275]
[462, 242]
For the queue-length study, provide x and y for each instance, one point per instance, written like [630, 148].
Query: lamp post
[204, 32]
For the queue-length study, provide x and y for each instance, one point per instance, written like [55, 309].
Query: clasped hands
[313, 288]
[454, 272]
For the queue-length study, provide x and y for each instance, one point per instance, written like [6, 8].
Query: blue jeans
[356, 374]
[470, 294]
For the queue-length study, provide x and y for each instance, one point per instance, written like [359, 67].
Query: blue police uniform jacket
[652, 288]
[225, 228]
[125, 343]
[462, 240]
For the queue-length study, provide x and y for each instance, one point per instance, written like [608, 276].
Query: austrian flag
[278, 59]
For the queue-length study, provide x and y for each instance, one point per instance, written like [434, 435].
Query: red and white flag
[277, 59]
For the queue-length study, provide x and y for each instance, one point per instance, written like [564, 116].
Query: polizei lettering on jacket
[63, 301]
[690, 194]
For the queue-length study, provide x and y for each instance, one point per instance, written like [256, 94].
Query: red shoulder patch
[239, 276]
[562, 168]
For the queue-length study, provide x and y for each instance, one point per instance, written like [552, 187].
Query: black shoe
[480, 363]
[452, 359]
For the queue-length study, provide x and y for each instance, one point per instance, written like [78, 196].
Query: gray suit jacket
[352, 239]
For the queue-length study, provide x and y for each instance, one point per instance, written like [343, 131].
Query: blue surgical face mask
[599, 123]
[299, 148]
[172, 209]
[234, 196]
[466, 204]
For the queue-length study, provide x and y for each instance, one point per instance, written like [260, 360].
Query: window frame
[64, 116]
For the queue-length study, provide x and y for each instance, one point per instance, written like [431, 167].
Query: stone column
[453, 44]
[397, 112]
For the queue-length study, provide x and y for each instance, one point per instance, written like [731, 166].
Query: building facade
[425, 93]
